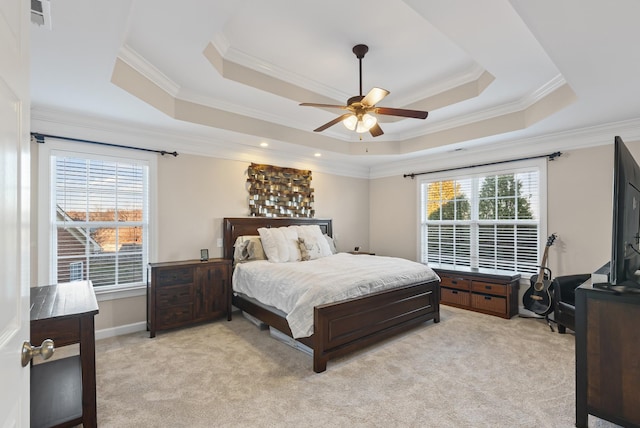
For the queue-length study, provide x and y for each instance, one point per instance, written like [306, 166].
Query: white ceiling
[493, 74]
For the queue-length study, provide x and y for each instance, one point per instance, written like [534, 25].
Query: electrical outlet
[219, 243]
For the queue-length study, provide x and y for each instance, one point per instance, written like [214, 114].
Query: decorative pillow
[280, 244]
[332, 243]
[313, 236]
[247, 248]
[309, 251]
[254, 250]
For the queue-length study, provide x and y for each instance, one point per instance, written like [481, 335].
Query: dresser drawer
[489, 303]
[489, 288]
[456, 297]
[174, 276]
[173, 295]
[174, 315]
[455, 282]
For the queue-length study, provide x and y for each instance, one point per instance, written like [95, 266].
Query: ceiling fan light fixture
[369, 120]
[365, 123]
[350, 122]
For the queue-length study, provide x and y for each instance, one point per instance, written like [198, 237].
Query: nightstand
[187, 292]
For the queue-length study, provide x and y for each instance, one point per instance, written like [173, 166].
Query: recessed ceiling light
[264, 144]
[317, 154]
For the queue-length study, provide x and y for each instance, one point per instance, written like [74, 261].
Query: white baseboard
[120, 330]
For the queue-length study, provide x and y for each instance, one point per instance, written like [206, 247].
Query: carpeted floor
[470, 370]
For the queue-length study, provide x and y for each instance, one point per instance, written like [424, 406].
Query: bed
[346, 325]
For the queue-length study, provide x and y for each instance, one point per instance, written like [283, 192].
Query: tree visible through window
[488, 221]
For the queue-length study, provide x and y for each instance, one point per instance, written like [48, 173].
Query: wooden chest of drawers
[487, 291]
[185, 292]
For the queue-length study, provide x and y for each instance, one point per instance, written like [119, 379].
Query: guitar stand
[546, 316]
[550, 322]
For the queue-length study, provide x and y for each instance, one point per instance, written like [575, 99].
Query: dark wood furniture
[63, 392]
[348, 325]
[366, 253]
[488, 291]
[607, 356]
[186, 292]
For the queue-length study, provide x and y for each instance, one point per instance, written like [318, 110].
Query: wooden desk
[607, 353]
[63, 392]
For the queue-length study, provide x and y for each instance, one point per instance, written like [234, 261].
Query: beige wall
[579, 200]
[579, 210]
[393, 217]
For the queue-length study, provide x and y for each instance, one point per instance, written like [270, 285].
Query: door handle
[45, 350]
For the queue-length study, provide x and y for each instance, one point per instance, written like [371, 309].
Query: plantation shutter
[482, 221]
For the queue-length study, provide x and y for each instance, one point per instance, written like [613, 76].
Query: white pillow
[332, 243]
[280, 244]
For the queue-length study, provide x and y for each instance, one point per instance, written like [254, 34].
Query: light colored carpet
[470, 370]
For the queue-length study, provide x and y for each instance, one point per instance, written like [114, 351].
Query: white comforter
[295, 288]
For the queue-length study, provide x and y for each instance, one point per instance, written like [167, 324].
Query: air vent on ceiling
[41, 13]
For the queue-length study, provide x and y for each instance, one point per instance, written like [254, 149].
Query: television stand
[607, 352]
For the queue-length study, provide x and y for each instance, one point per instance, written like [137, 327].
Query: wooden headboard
[239, 226]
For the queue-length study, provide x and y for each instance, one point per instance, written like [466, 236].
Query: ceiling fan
[359, 117]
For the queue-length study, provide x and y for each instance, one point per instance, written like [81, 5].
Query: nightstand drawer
[455, 282]
[456, 297]
[173, 295]
[489, 303]
[175, 276]
[175, 315]
[489, 288]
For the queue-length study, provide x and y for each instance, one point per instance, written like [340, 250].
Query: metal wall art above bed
[279, 192]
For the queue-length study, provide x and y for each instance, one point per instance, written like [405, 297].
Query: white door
[14, 210]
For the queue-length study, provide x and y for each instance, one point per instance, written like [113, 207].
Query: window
[98, 218]
[488, 219]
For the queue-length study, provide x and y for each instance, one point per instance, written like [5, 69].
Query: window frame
[506, 168]
[46, 206]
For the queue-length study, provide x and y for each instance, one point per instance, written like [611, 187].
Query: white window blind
[482, 220]
[100, 220]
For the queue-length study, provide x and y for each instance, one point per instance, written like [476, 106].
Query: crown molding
[574, 139]
[236, 148]
[231, 54]
[128, 55]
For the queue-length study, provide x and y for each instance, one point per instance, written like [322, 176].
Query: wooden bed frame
[348, 325]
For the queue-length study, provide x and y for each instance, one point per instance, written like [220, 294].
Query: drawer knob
[487, 297]
[453, 281]
[488, 287]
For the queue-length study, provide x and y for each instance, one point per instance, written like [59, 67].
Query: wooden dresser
[491, 292]
[186, 292]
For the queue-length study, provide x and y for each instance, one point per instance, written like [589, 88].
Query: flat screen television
[625, 251]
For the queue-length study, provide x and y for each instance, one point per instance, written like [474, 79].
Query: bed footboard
[346, 326]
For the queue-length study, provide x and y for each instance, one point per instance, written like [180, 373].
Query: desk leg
[88, 360]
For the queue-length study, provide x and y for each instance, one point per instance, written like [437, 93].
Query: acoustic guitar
[538, 298]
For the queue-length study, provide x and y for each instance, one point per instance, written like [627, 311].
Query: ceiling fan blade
[416, 114]
[323, 105]
[333, 122]
[375, 130]
[374, 96]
